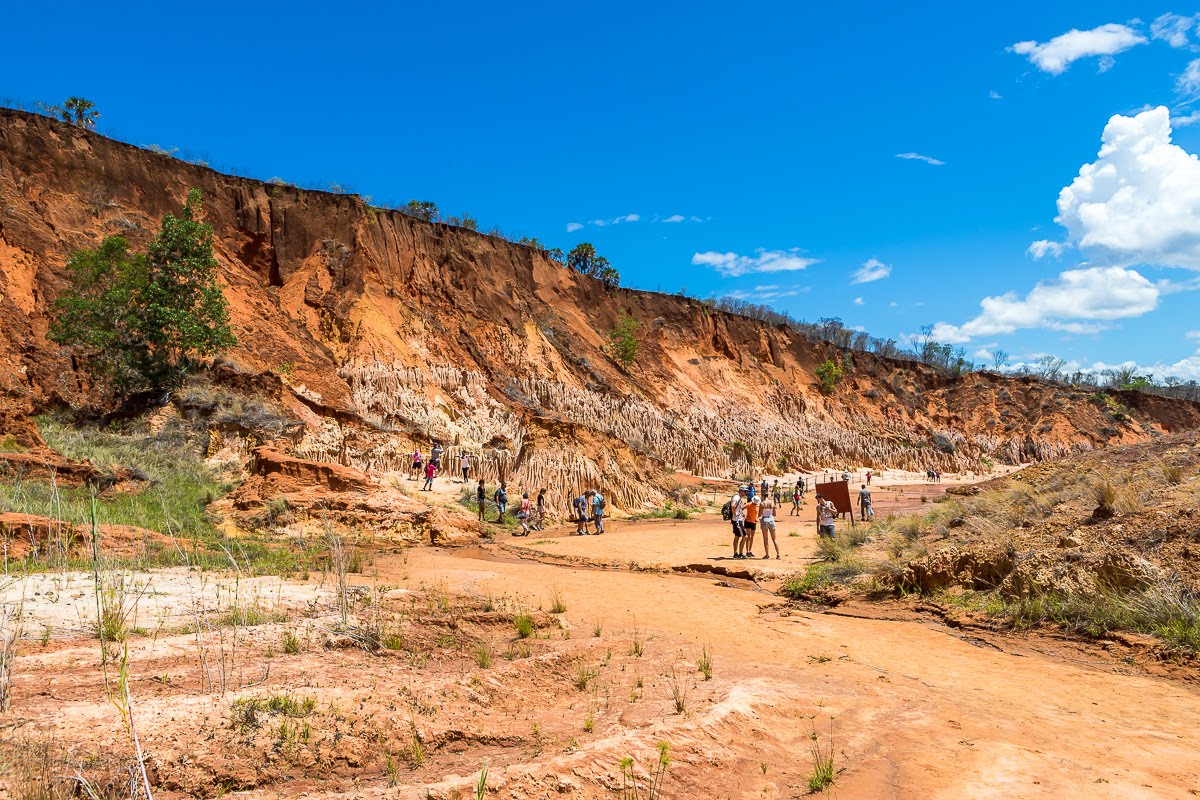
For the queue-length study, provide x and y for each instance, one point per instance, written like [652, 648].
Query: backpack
[727, 510]
[501, 496]
[600, 501]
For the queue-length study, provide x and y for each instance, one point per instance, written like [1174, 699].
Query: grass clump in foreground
[823, 770]
[178, 488]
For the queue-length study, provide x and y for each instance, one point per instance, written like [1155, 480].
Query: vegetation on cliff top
[137, 321]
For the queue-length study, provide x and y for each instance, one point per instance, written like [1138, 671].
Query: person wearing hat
[737, 507]
[826, 514]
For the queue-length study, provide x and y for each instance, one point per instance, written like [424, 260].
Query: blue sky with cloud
[1021, 176]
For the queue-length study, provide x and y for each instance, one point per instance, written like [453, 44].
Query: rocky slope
[386, 331]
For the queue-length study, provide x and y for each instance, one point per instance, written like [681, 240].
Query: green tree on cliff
[623, 339]
[139, 321]
[78, 111]
[584, 259]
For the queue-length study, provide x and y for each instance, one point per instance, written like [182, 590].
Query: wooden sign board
[837, 492]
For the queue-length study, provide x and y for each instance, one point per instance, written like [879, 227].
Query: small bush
[524, 625]
[1172, 474]
[483, 655]
[557, 606]
[704, 664]
[291, 643]
[829, 373]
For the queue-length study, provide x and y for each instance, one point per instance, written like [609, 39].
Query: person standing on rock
[826, 514]
[523, 513]
[465, 464]
[737, 517]
[430, 471]
[748, 525]
[481, 500]
[501, 498]
[598, 504]
[766, 510]
[864, 503]
[415, 471]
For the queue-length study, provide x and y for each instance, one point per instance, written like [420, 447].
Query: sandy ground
[913, 709]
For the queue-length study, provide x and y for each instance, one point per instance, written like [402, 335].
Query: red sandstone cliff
[388, 330]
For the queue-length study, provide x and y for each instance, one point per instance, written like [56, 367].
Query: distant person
[766, 510]
[776, 493]
[868, 477]
[435, 456]
[500, 496]
[749, 523]
[542, 510]
[430, 471]
[523, 514]
[579, 511]
[598, 504]
[796, 497]
[737, 518]
[803, 485]
[481, 500]
[414, 471]
[864, 503]
[846, 475]
[826, 514]
[464, 464]
[763, 489]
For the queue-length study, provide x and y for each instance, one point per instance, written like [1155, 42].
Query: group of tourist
[430, 469]
[587, 508]
[750, 512]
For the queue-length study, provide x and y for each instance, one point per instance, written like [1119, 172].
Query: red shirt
[430, 470]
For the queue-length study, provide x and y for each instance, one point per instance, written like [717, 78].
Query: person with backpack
[480, 500]
[579, 511]
[430, 471]
[501, 498]
[737, 518]
[598, 504]
[523, 513]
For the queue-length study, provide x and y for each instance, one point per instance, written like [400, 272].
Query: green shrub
[829, 373]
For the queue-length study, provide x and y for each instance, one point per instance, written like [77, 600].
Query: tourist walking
[776, 493]
[826, 514]
[501, 499]
[542, 510]
[766, 512]
[579, 511]
[523, 513]
[598, 504]
[464, 463]
[430, 471]
[481, 500]
[864, 504]
[796, 497]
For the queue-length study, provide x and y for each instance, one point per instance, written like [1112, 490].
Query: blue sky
[772, 130]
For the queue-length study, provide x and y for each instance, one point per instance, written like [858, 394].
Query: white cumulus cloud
[574, 226]
[1139, 202]
[675, 218]
[1056, 55]
[1078, 301]
[872, 270]
[1173, 28]
[918, 157]
[731, 265]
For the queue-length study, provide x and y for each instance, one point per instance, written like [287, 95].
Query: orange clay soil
[915, 711]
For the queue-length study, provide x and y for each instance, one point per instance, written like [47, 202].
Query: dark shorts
[749, 526]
